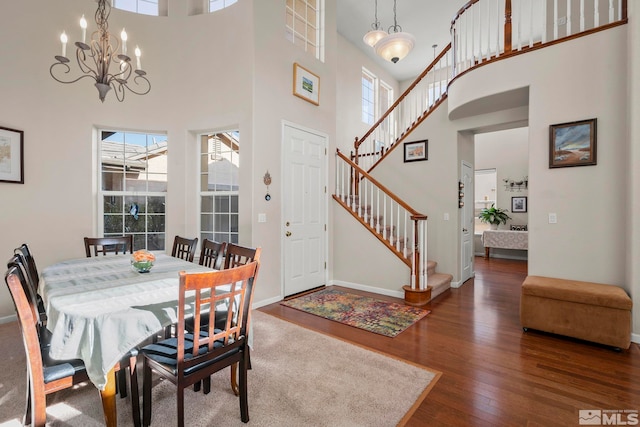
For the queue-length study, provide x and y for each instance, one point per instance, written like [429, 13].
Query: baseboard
[635, 338]
[264, 302]
[456, 284]
[8, 319]
[360, 287]
[520, 258]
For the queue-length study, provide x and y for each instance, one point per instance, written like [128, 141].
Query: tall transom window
[219, 186]
[215, 5]
[145, 7]
[133, 187]
[305, 25]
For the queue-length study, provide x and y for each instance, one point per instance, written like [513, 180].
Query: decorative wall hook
[267, 182]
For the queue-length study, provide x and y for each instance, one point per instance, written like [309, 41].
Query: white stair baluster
[612, 12]
[568, 32]
[581, 15]
[404, 236]
[543, 18]
[596, 13]
[555, 19]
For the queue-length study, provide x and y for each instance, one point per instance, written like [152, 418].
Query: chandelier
[375, 34]
[397, 44]
[95, 60]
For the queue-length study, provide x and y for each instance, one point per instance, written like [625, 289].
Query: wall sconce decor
[460, 194]
[511, 185]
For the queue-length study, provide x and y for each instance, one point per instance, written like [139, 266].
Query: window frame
[302, 38]
[125, 193]
[232, 236]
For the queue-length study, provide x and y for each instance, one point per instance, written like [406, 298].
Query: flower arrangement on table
[142, 260]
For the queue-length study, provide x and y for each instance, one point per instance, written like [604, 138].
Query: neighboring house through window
[219, 186]
[133, 187]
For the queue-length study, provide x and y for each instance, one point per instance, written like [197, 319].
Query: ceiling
[427, 20]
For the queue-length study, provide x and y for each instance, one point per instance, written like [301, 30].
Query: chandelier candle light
[94, 59]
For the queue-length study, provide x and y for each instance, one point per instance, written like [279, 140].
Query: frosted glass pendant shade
[373, 36]
[395, 46]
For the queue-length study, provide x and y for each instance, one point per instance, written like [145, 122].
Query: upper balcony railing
[486, 29]
[481, 32]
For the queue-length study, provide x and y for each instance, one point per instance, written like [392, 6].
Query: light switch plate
[553, 218]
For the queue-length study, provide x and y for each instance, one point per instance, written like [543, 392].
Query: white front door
[467, 223]
[304, 206]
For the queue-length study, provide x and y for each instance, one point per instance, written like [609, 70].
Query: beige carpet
[299, 378]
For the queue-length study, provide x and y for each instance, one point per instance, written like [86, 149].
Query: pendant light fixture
[376, 33]
[397, 44]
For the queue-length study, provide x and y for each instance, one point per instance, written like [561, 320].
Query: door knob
[288, 233]
[464, 230]
[287, 223]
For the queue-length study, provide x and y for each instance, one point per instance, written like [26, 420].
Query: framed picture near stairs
[416, 151]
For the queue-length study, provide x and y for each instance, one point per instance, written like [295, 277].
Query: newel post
[413, 295]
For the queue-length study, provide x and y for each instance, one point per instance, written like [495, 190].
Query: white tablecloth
[505, 239]
[100, 308]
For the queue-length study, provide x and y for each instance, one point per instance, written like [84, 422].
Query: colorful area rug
[382, 317]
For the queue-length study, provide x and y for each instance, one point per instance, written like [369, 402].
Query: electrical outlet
[553, 218]
[262, 217]
[446, 216]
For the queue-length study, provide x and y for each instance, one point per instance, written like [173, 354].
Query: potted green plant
[494, 216]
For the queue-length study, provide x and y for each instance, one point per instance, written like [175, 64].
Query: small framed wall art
[306, 85]
[416, 151]
[518, 204]
[573, 144]
[11, 156]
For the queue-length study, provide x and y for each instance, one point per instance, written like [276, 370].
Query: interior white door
[304, 209]
[467, 223]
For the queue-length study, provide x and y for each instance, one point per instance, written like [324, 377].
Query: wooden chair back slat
[212, 254]
[105, 245]
[184, 248]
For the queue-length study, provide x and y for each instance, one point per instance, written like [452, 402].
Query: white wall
[228, 70]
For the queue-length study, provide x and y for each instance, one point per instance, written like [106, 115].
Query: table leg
[108, 396]
[486, 252]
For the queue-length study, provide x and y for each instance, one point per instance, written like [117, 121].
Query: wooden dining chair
[184, 248]
[45, 375]
[105, 245]
[212, 254]
[191, 357]
[235, 256]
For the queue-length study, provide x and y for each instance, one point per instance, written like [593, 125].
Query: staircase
[527, 26]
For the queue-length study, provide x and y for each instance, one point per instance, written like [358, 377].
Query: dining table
[100, 308]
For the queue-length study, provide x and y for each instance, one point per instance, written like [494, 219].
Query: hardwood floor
[494, 374]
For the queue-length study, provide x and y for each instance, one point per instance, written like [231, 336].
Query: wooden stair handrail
[391, 247]
[384, 189]
[433, 63]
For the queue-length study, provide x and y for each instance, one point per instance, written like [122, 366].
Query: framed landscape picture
[11, 156]
[415, 151]
[306, 85]
[573, 144]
